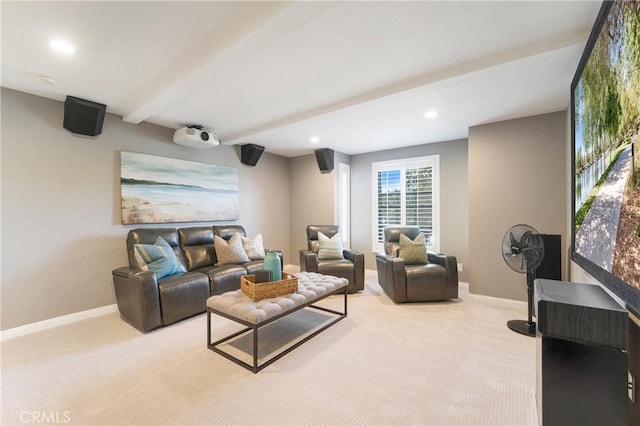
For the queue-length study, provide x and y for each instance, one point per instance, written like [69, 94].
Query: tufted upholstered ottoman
[234, 305]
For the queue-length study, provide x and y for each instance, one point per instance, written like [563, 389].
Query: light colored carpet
[450, 363]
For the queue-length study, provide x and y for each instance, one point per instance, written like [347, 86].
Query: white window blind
[406, 193]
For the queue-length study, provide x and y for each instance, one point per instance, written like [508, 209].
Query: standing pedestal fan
[523, 251]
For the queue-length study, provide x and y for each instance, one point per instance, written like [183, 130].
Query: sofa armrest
[126, 271]
[138, 297]
[392, 277]
[450, 263]
[308, 261]
[358, 267]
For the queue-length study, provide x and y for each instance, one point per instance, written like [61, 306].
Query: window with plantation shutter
[406, 193]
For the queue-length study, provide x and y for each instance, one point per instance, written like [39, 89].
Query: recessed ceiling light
[62, 46]
[314, 139]
[47, 79]
[432, 113]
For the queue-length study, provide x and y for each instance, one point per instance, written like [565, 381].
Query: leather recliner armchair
[433, 281]
[351, 267]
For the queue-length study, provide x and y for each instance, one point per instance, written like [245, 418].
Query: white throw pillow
[330, 248]
[253, 248]
[231, 252]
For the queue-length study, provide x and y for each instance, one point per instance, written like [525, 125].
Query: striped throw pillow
[158, 258]
[330, 248]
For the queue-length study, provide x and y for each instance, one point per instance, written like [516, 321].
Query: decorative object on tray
[262, 276]
[272, 263]
[257, 291]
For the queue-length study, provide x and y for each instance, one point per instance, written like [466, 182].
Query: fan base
[523, 327]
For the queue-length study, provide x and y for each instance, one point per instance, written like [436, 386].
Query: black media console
[581, 355]
[633, 349]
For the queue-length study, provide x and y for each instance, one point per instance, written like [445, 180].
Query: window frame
[432, 161]
[344, 202]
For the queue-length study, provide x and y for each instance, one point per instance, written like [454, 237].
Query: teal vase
[272, 263]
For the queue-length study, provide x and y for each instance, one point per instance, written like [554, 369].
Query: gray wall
[517, 174]
[453, 198]
[314, 197]
[61, 231]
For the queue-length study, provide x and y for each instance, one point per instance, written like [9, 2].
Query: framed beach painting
[164, 190]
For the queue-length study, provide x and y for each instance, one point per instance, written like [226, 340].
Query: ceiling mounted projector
[195, 137]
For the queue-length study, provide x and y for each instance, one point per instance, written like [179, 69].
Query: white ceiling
[357, 75]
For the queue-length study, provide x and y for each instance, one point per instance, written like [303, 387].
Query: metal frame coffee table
[214, 346]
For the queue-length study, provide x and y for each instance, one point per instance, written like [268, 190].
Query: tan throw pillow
[329, 248]
[231, 252]
[253, 248]
[413, 252]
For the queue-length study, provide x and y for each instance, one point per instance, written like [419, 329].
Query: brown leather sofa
[148, 303]
[433, 281]
[351, 267]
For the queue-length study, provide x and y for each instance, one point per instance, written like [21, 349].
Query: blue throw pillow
[158, 258]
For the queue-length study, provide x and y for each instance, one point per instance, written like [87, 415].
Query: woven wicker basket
[288, 285]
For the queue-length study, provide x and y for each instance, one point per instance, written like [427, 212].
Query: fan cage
[522, 248]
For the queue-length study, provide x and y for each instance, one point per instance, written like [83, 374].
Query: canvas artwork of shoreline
[165, 190]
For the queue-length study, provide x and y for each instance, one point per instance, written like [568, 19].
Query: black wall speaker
[250, 154]
[551, 266]
[325, 159]
[83, 117]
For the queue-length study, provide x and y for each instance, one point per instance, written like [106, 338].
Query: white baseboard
[502, 299]
[291, 269]
[55, 322]
[79, 316]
